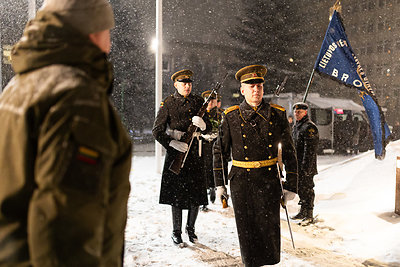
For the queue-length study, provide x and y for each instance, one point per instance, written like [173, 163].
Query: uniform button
[269, 169]
[270, 146]
[270, 122]
[242, 124]
[269, 157]
[248, 170]
[269, 133]
[245, 147]
[246, 158]
[190, 110]
[244, 136]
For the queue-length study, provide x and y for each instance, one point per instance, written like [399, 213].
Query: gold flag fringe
[337, 6]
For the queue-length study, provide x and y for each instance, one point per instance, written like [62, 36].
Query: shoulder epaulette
[277, 107]
[231, 109]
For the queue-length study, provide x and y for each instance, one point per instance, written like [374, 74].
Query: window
[371, 5]
[398, 23]
[370, 49]
[378, 69]
[387, 46]
[364, 5]
[363, 51]
[379, 47]
[354, 28]
[381, 25]
[321, 116]
[370, 26]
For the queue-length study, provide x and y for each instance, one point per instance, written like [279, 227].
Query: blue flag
[338, 60]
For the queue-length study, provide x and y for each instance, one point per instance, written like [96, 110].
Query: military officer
[214, 115]
[252, 132]
[187, 190]
[305, 137]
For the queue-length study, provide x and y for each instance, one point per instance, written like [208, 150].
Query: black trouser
[306, 192]
[177, 218]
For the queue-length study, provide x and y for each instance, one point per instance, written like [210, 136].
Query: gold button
[270, 146]
[245, 147]
[269, 169]
[269, 133]
[242, 124]
[248, 170]
[244, 136]
[269, 157]
[257, 164]
[190, 110]
[246, 158]
[270, 122]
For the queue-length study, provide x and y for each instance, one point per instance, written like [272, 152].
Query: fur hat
[87, 16]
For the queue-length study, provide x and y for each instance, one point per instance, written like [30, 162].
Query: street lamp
[31, 9]
[157, 46]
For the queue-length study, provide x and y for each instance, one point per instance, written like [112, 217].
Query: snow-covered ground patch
[357, 226]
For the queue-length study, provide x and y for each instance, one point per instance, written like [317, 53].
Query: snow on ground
[356, 226]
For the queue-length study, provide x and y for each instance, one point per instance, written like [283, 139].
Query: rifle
[224, 199]
[280, 88]
[179, 161]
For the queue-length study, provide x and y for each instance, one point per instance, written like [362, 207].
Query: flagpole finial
[337, 6]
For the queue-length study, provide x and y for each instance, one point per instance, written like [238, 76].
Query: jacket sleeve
[289, 157]
[80, 151]
[311, 138]
[160, 126]
[221, 154]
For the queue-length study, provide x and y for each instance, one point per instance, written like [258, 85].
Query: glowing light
[154, 44]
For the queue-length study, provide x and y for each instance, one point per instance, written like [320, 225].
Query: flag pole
[308, 85]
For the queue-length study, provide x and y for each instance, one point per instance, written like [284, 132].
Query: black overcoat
[254, 135]
[305, 137]
[214, 116]
[188, 188]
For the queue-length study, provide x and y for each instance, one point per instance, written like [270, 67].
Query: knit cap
[87, 16]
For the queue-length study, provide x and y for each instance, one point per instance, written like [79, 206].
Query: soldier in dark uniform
[305, 137]
[187, 190]
[214, 115]
[252, 132]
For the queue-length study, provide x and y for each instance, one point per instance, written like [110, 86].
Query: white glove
[287, 195]
[177, 135]
[221, 191]
[180, 146]
[199, 122]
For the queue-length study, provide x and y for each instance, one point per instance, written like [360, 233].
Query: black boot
[301, 215]
[212, 194]
[177, 237]
[192, 216]
[177, 225]
[308, 215]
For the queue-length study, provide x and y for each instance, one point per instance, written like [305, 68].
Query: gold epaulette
[277, 107]
[231, 109]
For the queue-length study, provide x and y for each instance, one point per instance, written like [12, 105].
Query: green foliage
[269, 33]
[134, 80]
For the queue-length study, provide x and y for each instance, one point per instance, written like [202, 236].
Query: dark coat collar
[248, 112]
[302, 121]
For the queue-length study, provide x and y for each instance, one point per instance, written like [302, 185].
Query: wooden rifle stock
[180, 158]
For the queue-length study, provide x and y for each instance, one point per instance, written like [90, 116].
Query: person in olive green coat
[65, 157]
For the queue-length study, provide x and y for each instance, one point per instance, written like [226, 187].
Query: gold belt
[254, 164]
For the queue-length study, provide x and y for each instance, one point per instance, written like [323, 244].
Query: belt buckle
[257, 164]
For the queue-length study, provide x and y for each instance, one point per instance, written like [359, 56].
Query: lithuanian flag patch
[88, 155]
